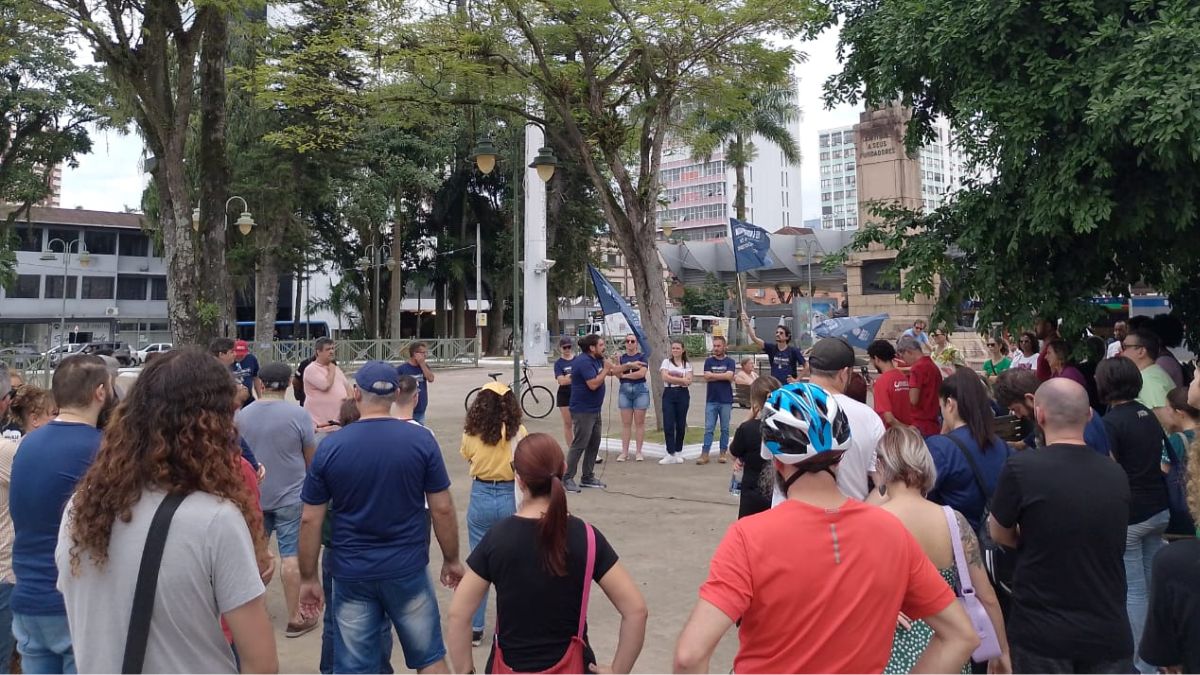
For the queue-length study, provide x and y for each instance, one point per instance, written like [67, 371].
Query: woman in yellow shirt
[490, 434]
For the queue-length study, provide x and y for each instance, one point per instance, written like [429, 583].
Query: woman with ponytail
[538, 561]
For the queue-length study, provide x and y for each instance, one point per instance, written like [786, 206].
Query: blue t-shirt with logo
[784, 362]
[407, 368]
[49, 463]
[245, 371]
[376, 473]
[563, 367]
[583, 398]
[634, 358]
[720, 391]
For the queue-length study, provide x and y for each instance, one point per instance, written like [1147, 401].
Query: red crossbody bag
[572, 659]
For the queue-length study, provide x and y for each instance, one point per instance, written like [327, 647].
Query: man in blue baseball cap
[378, 472]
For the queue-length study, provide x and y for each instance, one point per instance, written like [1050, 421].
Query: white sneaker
[667, 459]
[678, 458]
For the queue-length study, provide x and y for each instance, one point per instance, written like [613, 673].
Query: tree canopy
[1082, 118]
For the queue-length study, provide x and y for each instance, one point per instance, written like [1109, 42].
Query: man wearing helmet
[818, 581]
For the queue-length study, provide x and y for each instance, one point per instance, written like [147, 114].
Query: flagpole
[738, 276]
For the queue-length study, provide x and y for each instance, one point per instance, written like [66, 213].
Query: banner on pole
[751, 245]
[611, 303]
[859, 331]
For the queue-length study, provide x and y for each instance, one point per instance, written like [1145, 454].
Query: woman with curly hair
[173, 434]
[492, 430]
[31, 408]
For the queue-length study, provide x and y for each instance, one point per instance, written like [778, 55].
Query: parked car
[56, 354]
[117, 350]
[142, 355]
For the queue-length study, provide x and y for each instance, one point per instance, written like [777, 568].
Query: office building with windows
[699, 193]
[116, 291]
[941, 164]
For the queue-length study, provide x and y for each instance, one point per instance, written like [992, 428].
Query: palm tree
[343, 297]
[768, 112]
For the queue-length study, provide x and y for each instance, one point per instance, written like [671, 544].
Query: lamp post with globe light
[377, 256]
[486, 155]
[84, 258]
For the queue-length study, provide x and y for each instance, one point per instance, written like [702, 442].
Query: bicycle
[536, 401]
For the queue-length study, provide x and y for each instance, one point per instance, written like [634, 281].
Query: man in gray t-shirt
[282, 437]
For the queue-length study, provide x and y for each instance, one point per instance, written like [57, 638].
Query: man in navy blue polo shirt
[419, 369]
[718, 402]
[378, 472]
[588, 372]
[48, 464]
[786, 359]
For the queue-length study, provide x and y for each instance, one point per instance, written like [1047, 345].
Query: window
[134, 244]
[837, 182]
[613, 260]
[836, 154]
[826, 169]
[826, 210]
[848, 137]
[849, 167]
[54, 287]
[158, 288]
[839, 195]
[67, 236]
[826, 183]
[26, 286]
[97, 288]
[835, 138]
[100, 242]
[851, 179]
[617, 285]
[826, 196]
[873, 278]
[28, 239]
[824, 155]
[824, 140]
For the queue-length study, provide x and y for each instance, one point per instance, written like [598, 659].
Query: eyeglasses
[991, 344]
[1128, 345]
[565, 348]
[630, 342]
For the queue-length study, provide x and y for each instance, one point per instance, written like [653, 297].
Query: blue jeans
[675, 402]
[713, 411]
[489, 505]
[6, 636]
[44, 643]
[285, 522]
[365, 607]
[329, 628]
[1142, 541]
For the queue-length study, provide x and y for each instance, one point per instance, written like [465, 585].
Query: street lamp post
[808, 253]
[375, 257]
[81, 254]
[485, 156]
[245, 221]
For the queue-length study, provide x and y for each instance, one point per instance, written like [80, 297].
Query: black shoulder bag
[147, 584]
[999, 561]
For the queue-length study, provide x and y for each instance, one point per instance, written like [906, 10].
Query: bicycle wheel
[471, 398]
[537, 401]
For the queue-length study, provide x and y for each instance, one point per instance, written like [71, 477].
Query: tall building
[839, 180]
[941, 168]
[699, 193]
[54, 199]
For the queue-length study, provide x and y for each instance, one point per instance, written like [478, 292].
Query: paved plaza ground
[663, 521]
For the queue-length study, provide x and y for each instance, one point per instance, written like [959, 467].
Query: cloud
[110, 178]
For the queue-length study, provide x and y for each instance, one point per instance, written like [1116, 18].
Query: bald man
[1066, 507]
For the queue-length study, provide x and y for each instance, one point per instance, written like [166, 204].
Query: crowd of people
[948, 520]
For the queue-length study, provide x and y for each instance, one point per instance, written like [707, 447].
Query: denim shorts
[634, 396]
[363, 608]
[285, 523]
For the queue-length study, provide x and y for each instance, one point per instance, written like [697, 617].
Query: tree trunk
[215, 289]
[269, 236]
[496, 322]
[739, 177]
[395, 303]
[299, 309]
[175, 219]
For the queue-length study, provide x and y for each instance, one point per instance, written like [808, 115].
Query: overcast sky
[110, 178]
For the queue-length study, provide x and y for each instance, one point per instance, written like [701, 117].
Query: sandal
[622, 457]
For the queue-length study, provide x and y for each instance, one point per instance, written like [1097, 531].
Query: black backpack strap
[974, 468]
[147, 584]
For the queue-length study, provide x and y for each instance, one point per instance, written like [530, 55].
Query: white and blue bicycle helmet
[801, 421]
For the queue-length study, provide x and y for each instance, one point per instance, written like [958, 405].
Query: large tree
[46, 105]
[610, 75]
[151, 52]
[1083, 118]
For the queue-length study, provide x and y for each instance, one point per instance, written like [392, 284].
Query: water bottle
[735, 483]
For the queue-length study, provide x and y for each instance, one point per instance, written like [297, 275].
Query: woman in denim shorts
[634, 397]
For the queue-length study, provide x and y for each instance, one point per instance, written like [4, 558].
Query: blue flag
[859, 331]
[611, 304]
[751, 245]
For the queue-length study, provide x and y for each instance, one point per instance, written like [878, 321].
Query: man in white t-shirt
[831, 361]
[1120, 330]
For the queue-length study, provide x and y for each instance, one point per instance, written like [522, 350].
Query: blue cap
[377, 377]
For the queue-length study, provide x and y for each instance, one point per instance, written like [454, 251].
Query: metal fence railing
[442, 353]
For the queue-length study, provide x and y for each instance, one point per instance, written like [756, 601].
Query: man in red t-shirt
[1047, 332]
[923, 381]
[818, 581]
[891, 387]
